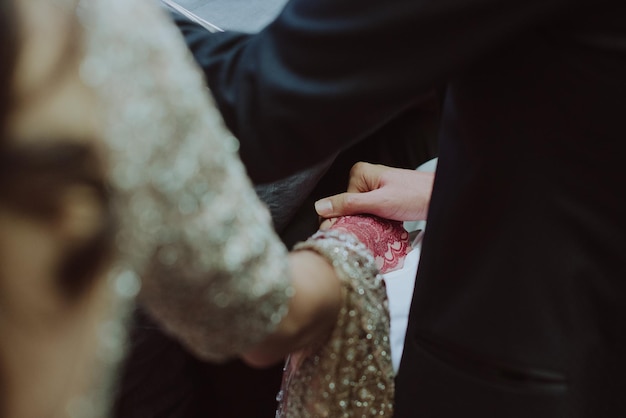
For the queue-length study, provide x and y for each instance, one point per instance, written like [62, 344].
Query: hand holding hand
[387, 192]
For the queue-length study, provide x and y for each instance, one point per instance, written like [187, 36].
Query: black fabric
[523, 265]
[325, 74]
[161, 379]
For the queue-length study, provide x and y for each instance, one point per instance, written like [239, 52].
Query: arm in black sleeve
[326, 73]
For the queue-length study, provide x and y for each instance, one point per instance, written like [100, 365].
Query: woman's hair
[34, 176]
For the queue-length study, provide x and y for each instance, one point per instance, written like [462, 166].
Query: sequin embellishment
[213, 271]
[351, 374]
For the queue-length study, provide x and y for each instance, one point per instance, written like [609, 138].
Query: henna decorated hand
[386, 239]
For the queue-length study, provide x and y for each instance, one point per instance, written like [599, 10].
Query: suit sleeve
[327, 73]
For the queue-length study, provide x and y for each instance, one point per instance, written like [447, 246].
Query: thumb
[349, 204]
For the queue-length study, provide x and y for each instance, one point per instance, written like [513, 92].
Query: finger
[364, 177]
[327, 224]
[351, 204]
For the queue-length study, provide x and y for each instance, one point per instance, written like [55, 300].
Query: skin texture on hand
[387, 192]
[386, 239]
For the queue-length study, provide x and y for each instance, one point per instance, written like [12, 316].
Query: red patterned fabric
[387, 240]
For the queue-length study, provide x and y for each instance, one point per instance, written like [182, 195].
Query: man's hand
[390, 193]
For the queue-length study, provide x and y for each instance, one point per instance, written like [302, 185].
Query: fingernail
[323, 207]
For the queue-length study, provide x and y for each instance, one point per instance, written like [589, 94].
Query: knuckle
[358, 168]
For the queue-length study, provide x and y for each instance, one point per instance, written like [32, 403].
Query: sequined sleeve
[350, 374]
[213, 271]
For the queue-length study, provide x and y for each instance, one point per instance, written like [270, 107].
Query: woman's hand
[390, 193]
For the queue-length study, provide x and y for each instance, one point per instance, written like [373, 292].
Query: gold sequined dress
[214, 273]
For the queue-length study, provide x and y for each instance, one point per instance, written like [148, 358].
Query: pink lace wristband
[387, 240]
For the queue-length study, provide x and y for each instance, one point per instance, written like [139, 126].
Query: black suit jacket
[520, 303]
